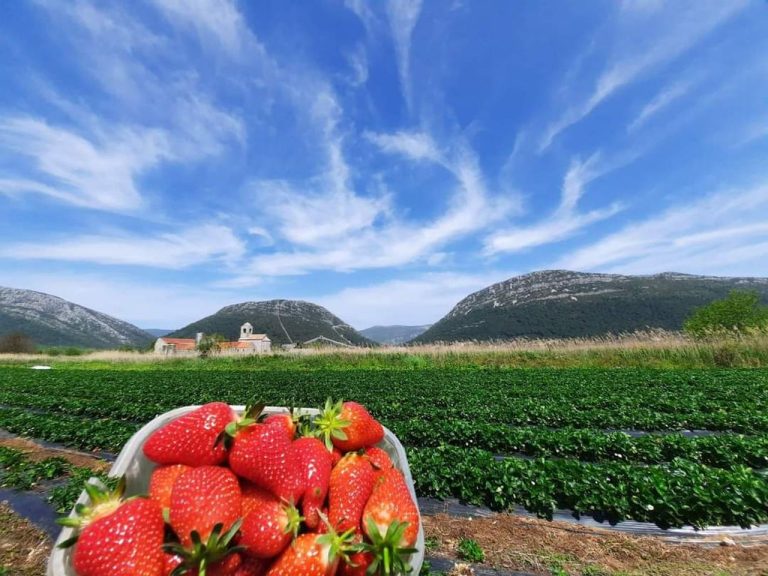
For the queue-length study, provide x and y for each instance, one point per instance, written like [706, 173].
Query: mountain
[52, 321]
[563, 304]
[284, 321]
[393, 334]
[158, 331]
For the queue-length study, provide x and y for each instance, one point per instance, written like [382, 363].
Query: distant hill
[284, 321]
[393, 334]
[52, 321]
[158, 331]
[563, 304]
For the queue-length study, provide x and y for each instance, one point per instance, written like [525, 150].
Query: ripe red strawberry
[336, 456]
[124, 542]
[390, 502]
[380, 460]
[357, 563]
[316, 463]
[269, 528]
[285, 420]
[252, 566]
[253, 497]
[161, 483]
[391, 522]
[191, 439]
[350, 487]
[349, 426]
[228, 566]
[312, 555]
[261, 453]
[201, 498]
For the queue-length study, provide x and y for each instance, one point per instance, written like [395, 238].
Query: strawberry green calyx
[249, 417]
[203, 554]
[295, 519]
[339, 545]
[389, 558]
[103, 502]
[330, 424]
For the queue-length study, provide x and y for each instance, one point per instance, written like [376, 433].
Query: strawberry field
[613, 444]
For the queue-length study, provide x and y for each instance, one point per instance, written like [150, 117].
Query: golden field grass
[653, 349]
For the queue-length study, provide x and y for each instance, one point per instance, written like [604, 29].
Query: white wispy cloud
[413, 145]
[756, 129]
[371, 236]
[95, 161]
[97, 173]
[566, 220]
[663, 99]
[358, 63]
[403, 15]
[721, 233]
[647, 40]
[364, 11]
[423, 299]
[192, 245]
[218, 22]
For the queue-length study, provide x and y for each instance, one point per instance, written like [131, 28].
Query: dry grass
[24, 549]
[514, 543]
[659, 349]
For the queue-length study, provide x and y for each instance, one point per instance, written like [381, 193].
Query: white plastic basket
[137, 470]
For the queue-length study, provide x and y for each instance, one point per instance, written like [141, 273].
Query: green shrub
[739, 313]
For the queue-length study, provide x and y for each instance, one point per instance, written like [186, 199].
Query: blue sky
[162, 158]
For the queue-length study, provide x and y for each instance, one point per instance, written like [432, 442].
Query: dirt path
[525, 544]
[37, 452]
[24, 549]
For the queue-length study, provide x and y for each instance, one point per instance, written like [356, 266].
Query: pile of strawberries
[244, 496]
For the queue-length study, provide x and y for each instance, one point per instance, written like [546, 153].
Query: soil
[542, 547]
[24, 549]
[37, 452]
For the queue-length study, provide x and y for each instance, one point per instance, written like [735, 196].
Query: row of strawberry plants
[650, 400]
[720, 451]
[672, 495]
[678, 493]
[74, 431]
[17, 471]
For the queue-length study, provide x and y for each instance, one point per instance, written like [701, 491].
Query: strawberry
[336, 455]
[228, 566]
[316, 462]
[202, 498]
[253, 497]
[216, 557]
[312, 555]
[161, 483]
[391, 522]
[269, 528]
[192, 438]
[358, 562]
[125, 541]
[285, 420]
[252, 566]
[379, 459]
[391, 501]
[349, 426]
[261, 453]
[351, 485]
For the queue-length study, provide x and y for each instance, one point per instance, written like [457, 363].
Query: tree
[17, 343]
[210, 344]
[740, 312]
